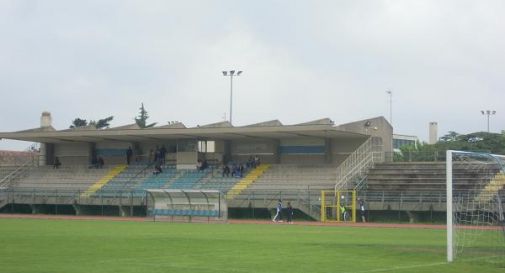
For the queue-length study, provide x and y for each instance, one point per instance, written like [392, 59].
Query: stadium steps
[223, 184]
[10, 176]
[104, 180]
[178, 174]
[246, 181]
[157, 181]
[188, 179]
[491, 189]
[126, 181]
[425, 177]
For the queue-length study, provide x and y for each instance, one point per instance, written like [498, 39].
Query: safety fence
[252, 203]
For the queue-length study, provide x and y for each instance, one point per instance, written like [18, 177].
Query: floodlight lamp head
[483, 112]
[225, 73]
[239, 72]
[494, 112]
[367, 123]
[232, 72]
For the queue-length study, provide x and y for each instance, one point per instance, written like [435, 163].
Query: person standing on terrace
[129, 154]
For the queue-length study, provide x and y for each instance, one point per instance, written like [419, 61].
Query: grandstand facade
[297, 161]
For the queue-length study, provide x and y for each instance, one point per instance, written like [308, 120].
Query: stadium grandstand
[85, 170]
[264, 162]
[88, 171]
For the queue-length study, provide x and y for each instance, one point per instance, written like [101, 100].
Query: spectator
[157, 169]
[57, 163]
[129, 154]
[290, 213]
[226, 171]
[233, 170]
[250, 162]
[163, 152]
[199, 165]
[241, 170]
[256, 161]
[100, 162]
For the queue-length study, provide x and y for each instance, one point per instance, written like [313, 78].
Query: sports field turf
[32, 245]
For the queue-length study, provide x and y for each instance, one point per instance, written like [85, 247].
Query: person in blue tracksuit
[277, 216]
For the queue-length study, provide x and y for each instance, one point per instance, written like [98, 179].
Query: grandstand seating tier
[412, 177]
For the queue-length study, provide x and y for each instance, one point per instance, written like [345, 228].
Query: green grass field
[30, 245]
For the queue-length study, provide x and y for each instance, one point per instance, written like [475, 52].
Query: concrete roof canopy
[274, 129]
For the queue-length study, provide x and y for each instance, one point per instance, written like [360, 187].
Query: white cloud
[301, 61]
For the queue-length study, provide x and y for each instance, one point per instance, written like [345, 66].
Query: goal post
[450, 236]
[475, 189]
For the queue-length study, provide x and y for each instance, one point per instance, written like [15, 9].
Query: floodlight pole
[488, 113]
[230, 74]
[390, 93]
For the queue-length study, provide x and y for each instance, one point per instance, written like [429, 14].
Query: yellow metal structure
[338, 206]
[104, 180]
[246, 181]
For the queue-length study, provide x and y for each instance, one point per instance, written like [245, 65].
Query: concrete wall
[187, 160]
[112, 152]
[72, 153]
[266, 150]
[302, 150]
[342, 148]
[375, 127]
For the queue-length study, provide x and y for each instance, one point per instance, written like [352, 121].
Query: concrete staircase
[11, 175]
[246, 181]
[104, 180]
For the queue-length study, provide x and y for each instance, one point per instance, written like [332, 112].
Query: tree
[142, 118]
[103, 123]
[451, 136]
[475, 142]
[78, 122]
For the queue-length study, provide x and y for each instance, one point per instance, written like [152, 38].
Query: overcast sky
[302, 60]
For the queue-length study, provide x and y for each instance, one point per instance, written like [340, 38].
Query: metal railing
[19, 172]
[255, 203]
[351, 172]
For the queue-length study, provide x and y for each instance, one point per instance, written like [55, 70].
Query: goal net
[475, 206]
